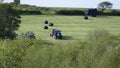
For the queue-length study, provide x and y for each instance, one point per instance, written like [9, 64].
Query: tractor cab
[56, 34]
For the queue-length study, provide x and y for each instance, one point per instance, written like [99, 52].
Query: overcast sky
[68, 3]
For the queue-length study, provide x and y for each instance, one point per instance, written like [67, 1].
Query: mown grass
[73, 27]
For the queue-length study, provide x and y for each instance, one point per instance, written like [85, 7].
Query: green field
[72, 27]
[102, 50]
[92, 43]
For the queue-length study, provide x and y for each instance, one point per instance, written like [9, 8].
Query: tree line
[102, 5]
[104, 8]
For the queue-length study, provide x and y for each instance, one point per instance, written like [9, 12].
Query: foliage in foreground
[103, 51]
[9, 21]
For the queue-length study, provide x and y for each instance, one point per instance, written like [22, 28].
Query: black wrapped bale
[45, 27]
[85, 17]
[46, 22]
[51, 24]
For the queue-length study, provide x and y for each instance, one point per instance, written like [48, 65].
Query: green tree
[16, 2]
[9, 21]
[105, 5]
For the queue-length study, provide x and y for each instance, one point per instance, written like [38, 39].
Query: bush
[115, 12]
[29, 35]
[29, 12]
[70, 12]
[48, 11]
[11, 54]
[112, 12]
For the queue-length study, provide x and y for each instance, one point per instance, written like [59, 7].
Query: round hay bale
[45, 27]
[85, 17]
[51, 24]
[46, 22]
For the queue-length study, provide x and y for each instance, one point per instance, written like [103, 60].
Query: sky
[68, 3]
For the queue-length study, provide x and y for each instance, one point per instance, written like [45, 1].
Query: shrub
[11, 55]
[70, 12]
[115, 12]
[29, 12]
[29, 35]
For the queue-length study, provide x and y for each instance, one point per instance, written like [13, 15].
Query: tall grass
[101, 53]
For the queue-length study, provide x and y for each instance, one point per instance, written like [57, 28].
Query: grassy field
[100, 51]
[72, 27]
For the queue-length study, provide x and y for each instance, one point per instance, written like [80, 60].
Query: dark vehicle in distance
[56, 34]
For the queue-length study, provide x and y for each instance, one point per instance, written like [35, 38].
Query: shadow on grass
[88, 19]
[45, 42]
[67, 38]
[102, 16]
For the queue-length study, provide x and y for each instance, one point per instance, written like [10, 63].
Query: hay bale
[51, 24]
[45, 27]
[86, 18]
[46, 22]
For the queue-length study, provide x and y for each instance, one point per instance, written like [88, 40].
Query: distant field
[72, 27]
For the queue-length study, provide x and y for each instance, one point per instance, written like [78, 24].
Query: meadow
[100, 48]
[72, 27]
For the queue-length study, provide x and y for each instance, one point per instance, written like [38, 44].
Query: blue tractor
[56, 34]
